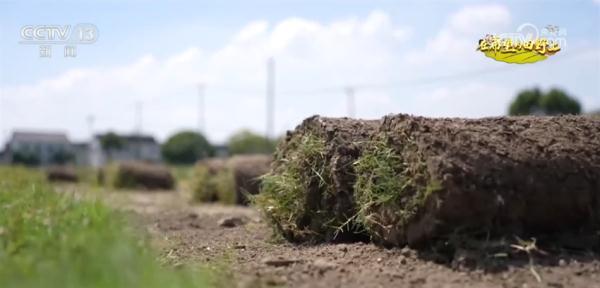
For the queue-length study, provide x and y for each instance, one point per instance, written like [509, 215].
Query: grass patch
[213, 187]
[291, 194]
[224, 184]
[52, 240]
[391, 186]
[203, 189]
[88, 175]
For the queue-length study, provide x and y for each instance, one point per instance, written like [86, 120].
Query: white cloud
[252, 31]
[472, 20]
[308, 54]
[457, 40]
[473, 99]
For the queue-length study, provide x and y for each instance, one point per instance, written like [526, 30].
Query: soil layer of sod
[409, 180]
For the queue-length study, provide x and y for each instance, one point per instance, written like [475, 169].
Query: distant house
[221, 151]
[132, 148]
[81, 153]
[38, 148]
[3, 159]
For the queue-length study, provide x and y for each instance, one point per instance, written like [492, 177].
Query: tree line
[187, 147]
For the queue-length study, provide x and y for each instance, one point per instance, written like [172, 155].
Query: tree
[247, 142]
[526, 103]
[557, 102]
[535, 102]
[186, 147]
[111, 142]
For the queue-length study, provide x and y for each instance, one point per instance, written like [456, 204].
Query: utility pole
[138, 117]
[90, 122]
[201, 112]
[350, 102]
[270, 109]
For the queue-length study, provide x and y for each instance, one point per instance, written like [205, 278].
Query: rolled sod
[308, 194]
[247, 171]
[61, 174]
[211, 181]
[423, 178]
[141, 175]
[229, 180]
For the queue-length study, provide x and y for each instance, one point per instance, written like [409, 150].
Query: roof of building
[39, 137]
[81, 145]
[139, 138]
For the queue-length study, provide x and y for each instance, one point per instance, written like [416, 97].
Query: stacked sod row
[410, 180]
[136, 175]
[124, 175]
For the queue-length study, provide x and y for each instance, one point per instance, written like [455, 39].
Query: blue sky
[155, 53]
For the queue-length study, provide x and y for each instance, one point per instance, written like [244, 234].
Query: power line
[414, 82]
[90, 122]
[201, 108]
[138, 117]
[426, 80]
[350, 101]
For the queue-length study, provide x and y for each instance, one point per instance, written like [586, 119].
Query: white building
[81, 151]
[134, 148]
[38, 148]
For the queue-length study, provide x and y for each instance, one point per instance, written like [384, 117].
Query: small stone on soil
[406, 252]
[323, 265]
[279, 262]
[231, 221]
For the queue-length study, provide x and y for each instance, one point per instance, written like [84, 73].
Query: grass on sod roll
[390, 186]
[283, 197]
[52, 240]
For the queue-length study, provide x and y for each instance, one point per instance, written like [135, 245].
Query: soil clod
[231, 221]
[280, 262]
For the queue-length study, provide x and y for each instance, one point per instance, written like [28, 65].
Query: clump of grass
[203, 189]
[224, 184]
[213, 187]
[88, 175]
[391, 186]
[291, 194]
[51, 240]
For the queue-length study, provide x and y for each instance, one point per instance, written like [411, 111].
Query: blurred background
[235, 75]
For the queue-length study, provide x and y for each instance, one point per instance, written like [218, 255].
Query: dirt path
[196, 233]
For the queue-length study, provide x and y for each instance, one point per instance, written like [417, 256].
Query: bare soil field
[237, 239]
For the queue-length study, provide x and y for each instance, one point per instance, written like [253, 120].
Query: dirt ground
[237, 238]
